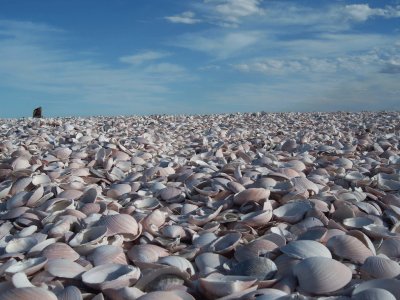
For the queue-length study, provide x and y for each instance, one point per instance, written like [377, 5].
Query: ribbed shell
[349, 247]
[380, 267]
[305, 248]
[321, 275]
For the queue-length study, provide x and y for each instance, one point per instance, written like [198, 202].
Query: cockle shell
[349, 247]
[105, 254]
[380, 267]
[64, 268]
[292, 212]
[302, 249]
[27, 293]
[70, 293]
[251, 194]
[29, 266]
[321, 275]
[122, 224]
[259, 267]
[146, 253]
[219, 285]
[111, 276]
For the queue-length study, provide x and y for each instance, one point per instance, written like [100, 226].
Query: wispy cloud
[220, 45]
[186, 17]
[143, 57]
[30, 61]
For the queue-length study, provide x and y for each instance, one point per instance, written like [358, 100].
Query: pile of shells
[228, 206]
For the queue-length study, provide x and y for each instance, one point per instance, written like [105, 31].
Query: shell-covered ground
[224, 206]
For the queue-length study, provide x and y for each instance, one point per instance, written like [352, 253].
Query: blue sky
[125, 57]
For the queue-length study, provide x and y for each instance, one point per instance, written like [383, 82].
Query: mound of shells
[229, 206]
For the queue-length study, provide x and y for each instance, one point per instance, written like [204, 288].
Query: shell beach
[225, 206]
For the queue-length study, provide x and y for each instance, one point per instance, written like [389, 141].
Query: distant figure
[37, 112]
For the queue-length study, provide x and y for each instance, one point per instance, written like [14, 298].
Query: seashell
[225, 243]
[20, 163]
[111, 276]
[20, 280]
[88, 239]
[27, 293]
[374, 294]
[203, 219]
[357, 222]
[60, 251]
[251, 194]
[17, 200]
[179, 262]
[390, 247]
[259, 247]
[107, 254]
[380, 267]
[173, 231]
[265, 294]
[162, 278]
[209, 260]
[70, 194]
[21, 245]
[146, 253]
[122, 224]
[29, 266]
[117, 190]
[215, 286]
[292, 212]
[40, 179]
[259, 267]
[147, 203]
[302, 249]
[64, 268]
[70, 293]
[62, 153]
[14, 213]
[378, 231]
[321, 275]
[391, 285]
[349, 247]
[5, 188]
[171, 194]
[89, 196]
[167, 295]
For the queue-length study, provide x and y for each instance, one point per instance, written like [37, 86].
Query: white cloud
[233, 10]
[143, 57]
[186, 17]
[220, 45]
[392, 67]
[361, 12]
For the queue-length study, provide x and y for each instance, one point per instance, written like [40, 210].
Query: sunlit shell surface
[181, 207]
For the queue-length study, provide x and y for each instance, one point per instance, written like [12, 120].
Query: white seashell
[111, 276]
[29, 266]
[107, 254]
[27, 293]
[321, 275]
[20, 280]
[391, 285]
[302, 249]
[64, 268]
[179, 262]
[292, 212]
[20, 244]
[380, 267]
[219, 285]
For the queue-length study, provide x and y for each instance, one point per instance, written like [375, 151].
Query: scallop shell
[225, 243]
[179, 262]
[380, 267]
[292, 212]
[321, 275]
[390, 247]
[107, 254]
[349, 247]
[255, 248]
[70, 293]
[20, 244]
[219, 286]
[167, 295]
[27, 293]
[302, 249]
[259, 267]
[64, 268]
[209, 260]
[111, 276]
[146, 253]
[122, 224]
[391, 285]
[29, 266]
[60, 250]
[374, 294]
[251, 194]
